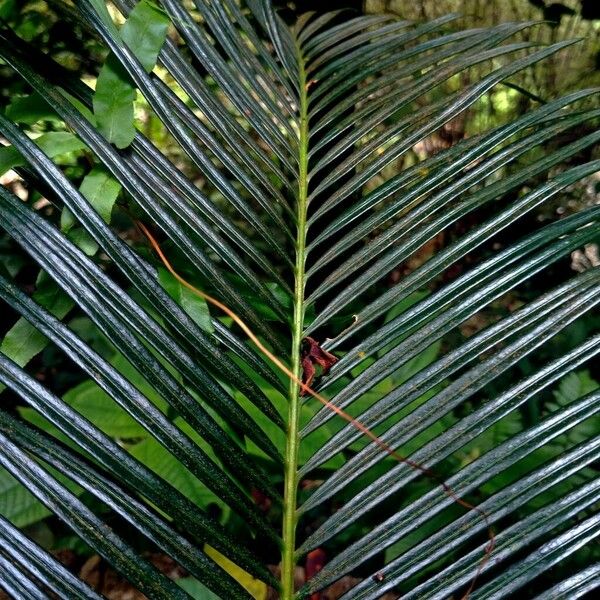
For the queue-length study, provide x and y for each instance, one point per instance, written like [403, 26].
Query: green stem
[291, 455]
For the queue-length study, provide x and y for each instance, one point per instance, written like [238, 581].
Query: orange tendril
[328, 404]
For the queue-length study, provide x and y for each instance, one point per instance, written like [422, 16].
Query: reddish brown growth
[313, 354]
[261, 500]
[379, 577]
[315, 561]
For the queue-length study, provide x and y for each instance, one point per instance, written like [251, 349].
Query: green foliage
[54, 144]
[196, 590]
[113, 104]
[154, 456]
[101, 190]
[193, 305]
[23, 341]
[17, 504]
[29, 110]
[91, 402]
[572, 387]
[144, 33]
[7, 7]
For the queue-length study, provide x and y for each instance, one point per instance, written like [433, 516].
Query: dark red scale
[313, 354]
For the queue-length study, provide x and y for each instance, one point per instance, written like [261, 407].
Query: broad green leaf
[163, 463]
[415, 536]
[416, 364]
[574, 386]
[33, 108]
[93, 403]
[101, 190]
[102, 10]
[22, 342]
[17, 504]
[196, 590]
[80, 106]
[99, 408]
[54, 144]
[113, 104]
[122, 365]
[30, 109]
[7, 8]
[144, 33]
[11, 263]
[193, 305]
[404, 305]
[82, 239]
[35, 418]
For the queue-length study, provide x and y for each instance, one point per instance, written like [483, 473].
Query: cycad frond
[293, 131]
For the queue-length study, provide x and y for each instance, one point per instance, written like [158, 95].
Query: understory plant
[432, 428]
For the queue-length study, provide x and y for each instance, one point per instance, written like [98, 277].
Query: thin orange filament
[344, 415]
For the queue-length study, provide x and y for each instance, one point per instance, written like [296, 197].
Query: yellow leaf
[256, 588]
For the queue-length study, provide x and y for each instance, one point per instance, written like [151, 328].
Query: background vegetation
[50, 27]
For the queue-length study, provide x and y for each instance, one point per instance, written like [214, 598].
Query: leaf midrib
[290, 517]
